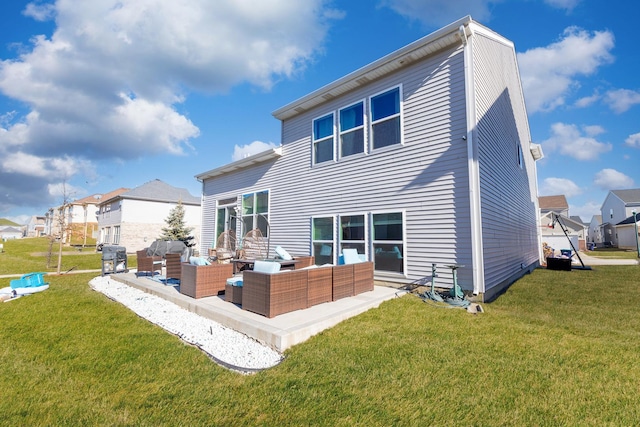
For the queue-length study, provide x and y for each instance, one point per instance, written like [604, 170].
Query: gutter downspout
[472, 159]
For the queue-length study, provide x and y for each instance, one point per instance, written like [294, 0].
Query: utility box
[114, 259]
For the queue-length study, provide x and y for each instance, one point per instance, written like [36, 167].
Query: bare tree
[63, 225]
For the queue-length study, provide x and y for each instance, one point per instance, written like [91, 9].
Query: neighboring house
[595, 230]
[421, 157]
[554, 236]
[628, 233]
[135, 218]
[617, 206]
[10, 233]
[36, 226]
[557, 204]
[79, 218]
[82, 217]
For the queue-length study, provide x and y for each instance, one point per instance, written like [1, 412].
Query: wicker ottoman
[233, 294]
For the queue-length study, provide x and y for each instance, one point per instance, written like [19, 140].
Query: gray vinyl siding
[426, 178]
[208, 230]
[508, 208]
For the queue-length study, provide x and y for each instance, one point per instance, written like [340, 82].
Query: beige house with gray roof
[135, 218]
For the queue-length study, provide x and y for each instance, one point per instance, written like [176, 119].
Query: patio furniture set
[270, 287]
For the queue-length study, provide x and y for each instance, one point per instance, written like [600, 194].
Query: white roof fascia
[403, 57]
[241, 164]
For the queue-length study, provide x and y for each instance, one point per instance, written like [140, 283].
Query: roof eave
[241, 164]
[403, 57]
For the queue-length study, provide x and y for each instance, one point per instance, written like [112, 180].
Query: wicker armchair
[342, 281]
[173, 264]
[362, 277]
[148, 264]
[304, 261]
[352, 279]
[319, 285]
[200, 281]
[273, 294]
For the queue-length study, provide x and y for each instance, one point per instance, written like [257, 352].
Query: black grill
[114, 259]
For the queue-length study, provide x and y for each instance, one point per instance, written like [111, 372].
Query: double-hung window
[322, 239]
[385, 118]
[323, 139]
[352, 233]
[116, 235]
[255, 212]
[388, 242]
[352, 129]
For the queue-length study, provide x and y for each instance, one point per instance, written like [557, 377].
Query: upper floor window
[352, 129]
[255, 212]
[385, 118]
[520, 159]
[323, 139]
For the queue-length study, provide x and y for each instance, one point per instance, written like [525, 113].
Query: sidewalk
[51, 273]
[589, 260]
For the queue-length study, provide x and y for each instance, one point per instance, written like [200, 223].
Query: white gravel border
[229, 348]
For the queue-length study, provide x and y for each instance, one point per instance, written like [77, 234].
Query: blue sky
[105, 94]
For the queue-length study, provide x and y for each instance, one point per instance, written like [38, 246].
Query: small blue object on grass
[30, 280]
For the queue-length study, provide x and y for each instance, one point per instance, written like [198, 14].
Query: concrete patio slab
[280, 332]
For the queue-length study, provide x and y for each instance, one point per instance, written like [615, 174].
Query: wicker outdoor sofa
[271, 294]
[198, 281]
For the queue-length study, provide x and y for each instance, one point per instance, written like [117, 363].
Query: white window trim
[364, 127]
[267, 215]
[404, 273]
[116, 235]
[313, 139]
[367, 238]
[371, 121]
[215, 220]
[334, 240]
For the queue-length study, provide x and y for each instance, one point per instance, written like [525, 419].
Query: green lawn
[613, 253]
[32, 254]
[558, 348]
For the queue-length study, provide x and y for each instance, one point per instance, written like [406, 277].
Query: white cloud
[633, 140]
[586, 211]
[550, 73]
[28, 165]
[586, 101]
[436, 13]
[611, 179]
[593, 130]
[240, 152]
[552, 186]
[64, 191]
[109, 81]
[621, 100]
[40, 12]
[568, 140]
[567, 5]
